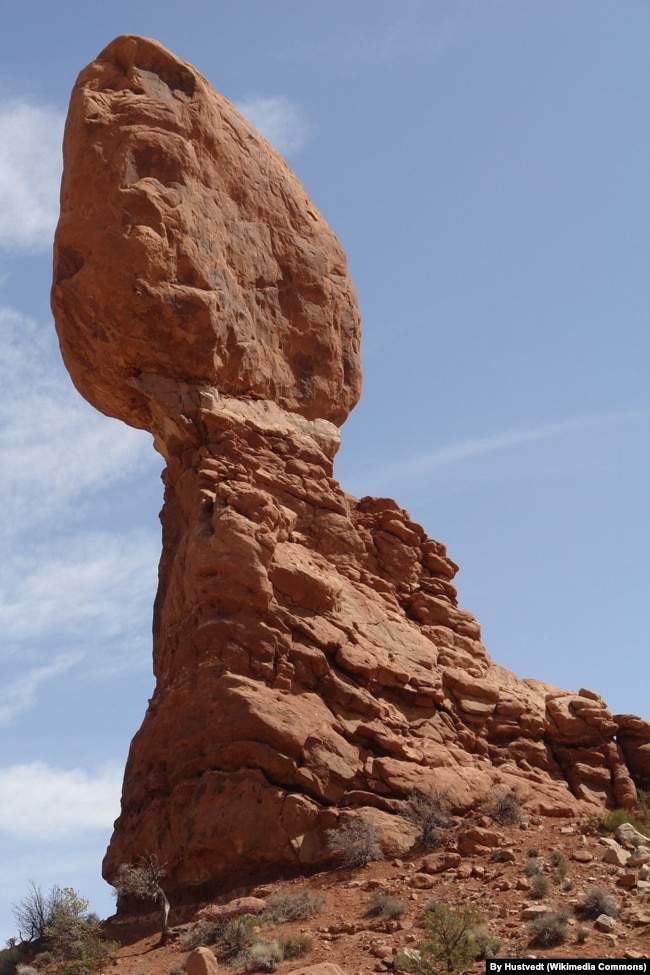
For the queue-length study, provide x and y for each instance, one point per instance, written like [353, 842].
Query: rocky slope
[312, 664]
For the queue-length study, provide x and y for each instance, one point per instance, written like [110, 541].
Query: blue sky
[484, 164]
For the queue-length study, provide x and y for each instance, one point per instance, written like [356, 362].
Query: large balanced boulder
[312, 664]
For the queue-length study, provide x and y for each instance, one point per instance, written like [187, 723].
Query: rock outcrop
[312, 664]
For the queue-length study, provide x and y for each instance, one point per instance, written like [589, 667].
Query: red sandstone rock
[312, 665]
[188, 254]
[201, 961]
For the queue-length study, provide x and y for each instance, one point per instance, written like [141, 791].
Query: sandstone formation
[312, 664]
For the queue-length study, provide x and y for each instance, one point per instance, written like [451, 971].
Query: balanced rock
[312, 664]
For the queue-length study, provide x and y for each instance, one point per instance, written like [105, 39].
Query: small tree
[142, 880]
[450, 939]
[74, 935]
[34, 912]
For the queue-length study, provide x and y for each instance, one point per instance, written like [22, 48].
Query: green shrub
[548, 930]
[383, 903]
[74, 936]
[596, 902]
[355, 844]
[449, 939]
[610, 820]
[431, 813]
[292, 906]
[235, 936]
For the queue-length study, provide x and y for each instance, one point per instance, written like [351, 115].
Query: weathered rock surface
[311, 660]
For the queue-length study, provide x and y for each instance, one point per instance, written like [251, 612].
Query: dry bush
[264, 956]
[539, 886]
[383, 903]
[356, 844]
[292, 906]
[504, 808]
[596, 902]
[295, 945]
[431, 813]
[548, 930]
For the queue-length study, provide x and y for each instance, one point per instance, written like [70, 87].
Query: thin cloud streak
[423, 463]
[19, 695]
[46, 429]
[281, 121]
[30, 173]
[101, 583]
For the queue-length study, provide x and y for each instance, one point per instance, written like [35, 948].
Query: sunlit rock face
[311, 661]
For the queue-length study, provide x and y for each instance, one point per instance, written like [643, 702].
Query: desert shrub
[356, 844]
[383, 903]
[532, 868]
[643, 798]
[9, 958]
[431, 813]
[292, 906]
[596, 902]
[295, 945]
[581, 934]
[449, 939]
[539, 886]
[611, 819]
[504, 808]
[549, 929]
[487, 946]
[559, 864]
[177, 969]
[235, 936]
[143, 880]
[532, 852]
[75, 936]
[26, 970]
[43, 958]
[407, 960]
[264, 956]
[201, 934]
[34, 912]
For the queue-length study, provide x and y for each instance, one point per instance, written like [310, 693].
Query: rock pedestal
[312, 664]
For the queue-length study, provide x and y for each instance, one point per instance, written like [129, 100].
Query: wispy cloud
[54, 449]
[100, 583]
[281, 121]
[18, 695]
[426, 462]
[62, 578]
[30, 172]
[408, 35]
[42, 802]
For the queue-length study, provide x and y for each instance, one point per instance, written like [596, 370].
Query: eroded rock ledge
[311, 660]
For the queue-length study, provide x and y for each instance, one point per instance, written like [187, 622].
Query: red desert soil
[493, 882]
